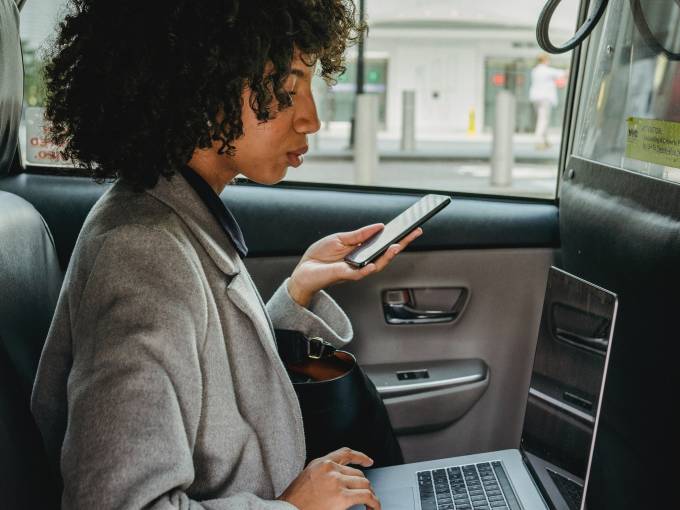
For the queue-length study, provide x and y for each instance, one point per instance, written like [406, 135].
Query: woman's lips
[295, 157]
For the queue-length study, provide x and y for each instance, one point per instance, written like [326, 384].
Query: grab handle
[543, 27]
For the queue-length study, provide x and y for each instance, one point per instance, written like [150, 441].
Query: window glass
[629, 115]
[436, 70]
[38, 23]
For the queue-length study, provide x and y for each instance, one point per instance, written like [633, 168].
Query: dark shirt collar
[220, 211]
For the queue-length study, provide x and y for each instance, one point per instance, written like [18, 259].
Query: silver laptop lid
[570, 364]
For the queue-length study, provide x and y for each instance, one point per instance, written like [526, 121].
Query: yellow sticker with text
[655, 141]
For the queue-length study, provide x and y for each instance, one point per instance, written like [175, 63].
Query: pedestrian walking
[543, 95]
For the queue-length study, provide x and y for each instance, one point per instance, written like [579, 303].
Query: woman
[160, 385]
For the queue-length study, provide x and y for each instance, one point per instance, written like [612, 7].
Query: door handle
[581, 328]
[594, 344]
[399, 308]
[404, 314]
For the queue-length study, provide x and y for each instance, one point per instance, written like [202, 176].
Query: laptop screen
[568, 372]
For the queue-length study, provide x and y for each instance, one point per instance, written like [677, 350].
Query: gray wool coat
[159, 385]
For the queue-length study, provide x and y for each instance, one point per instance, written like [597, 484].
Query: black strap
[295, 347]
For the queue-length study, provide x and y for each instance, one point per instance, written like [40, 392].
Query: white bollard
[502, 156]
[408, 121]
[366, 139]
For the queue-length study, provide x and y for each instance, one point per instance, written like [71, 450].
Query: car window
[629, 116]
[436, 69]
[38, 24]
[441, 79]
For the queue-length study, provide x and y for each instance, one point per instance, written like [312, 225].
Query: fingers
[355, 482]
[346, 272]
[349, 471]
[343, 271]
[415, 233]
[363, 497]
[395, 249]
[346, 456]
[359, 236]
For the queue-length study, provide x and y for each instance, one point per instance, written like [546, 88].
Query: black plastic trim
[303, 215]
[654, 194]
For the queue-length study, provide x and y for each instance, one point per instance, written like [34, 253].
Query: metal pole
[360, 53]
[408, 121]
[360, 74]
[366, 146]
[502, 157]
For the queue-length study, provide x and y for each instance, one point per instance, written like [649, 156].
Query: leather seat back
[30, 279]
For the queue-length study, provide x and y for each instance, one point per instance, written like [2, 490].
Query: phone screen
[398, 228]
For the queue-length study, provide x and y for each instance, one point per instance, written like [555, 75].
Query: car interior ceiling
[617, 229]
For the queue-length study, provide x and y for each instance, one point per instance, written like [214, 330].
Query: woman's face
[266, 149]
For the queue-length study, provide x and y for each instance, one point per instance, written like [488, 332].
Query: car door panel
[436, 394]
[499, 327]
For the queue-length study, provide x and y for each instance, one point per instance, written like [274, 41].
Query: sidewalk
[333, 145]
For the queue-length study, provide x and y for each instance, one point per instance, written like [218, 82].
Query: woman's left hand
[322, 264]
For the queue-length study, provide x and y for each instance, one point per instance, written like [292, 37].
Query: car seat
[30, 279]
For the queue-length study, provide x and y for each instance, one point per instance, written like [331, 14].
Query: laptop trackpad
[400, 498]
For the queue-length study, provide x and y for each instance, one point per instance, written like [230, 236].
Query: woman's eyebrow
[297, 72]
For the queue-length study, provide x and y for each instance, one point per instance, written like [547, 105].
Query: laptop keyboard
[571, 491]
[483, 486]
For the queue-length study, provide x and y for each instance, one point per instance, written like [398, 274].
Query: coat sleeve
[323, 317]
[135, 387]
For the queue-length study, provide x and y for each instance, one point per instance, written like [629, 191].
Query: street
[529, 179]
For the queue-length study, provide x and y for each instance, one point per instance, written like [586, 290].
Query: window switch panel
[413, 374]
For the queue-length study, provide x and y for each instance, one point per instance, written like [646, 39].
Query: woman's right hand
[328, 483]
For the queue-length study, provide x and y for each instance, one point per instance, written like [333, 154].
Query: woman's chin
[274, 176]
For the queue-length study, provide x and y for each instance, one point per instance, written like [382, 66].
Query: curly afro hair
[134, 87]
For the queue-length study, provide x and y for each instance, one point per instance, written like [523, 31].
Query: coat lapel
[244, 295]
[177, 194]
[181, 198]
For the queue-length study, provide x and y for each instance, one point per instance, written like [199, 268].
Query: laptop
[550, 468]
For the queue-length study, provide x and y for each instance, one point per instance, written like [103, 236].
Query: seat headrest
[11, 83]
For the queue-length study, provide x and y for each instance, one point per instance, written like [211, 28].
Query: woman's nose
[306, 118]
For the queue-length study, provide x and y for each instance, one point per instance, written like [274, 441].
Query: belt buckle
[320, 347]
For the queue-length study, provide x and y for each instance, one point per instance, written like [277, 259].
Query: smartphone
[397, 229]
